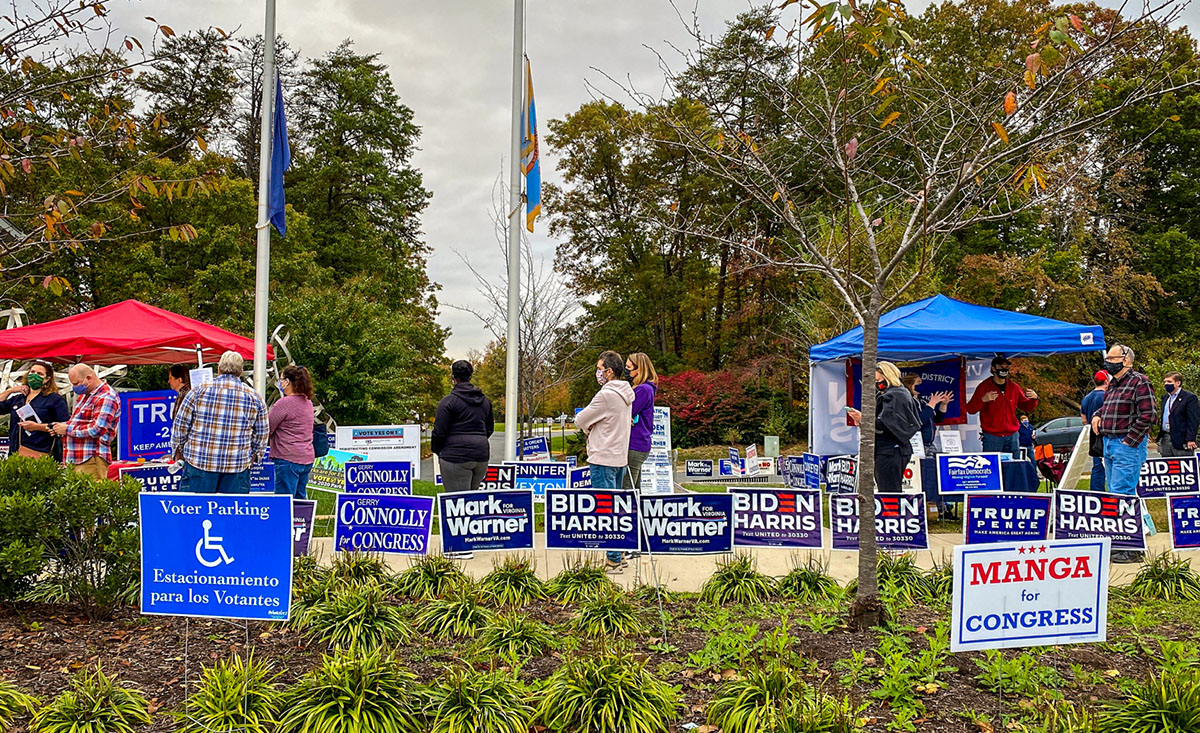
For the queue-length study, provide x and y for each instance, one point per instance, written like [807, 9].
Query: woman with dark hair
[461, 428]
[291, 432]
[32, 438]
[180, 380]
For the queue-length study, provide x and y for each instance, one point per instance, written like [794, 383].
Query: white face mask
[600, 378]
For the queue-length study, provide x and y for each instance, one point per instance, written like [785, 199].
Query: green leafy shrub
[939, 583]
[360, 616]
[775, 699]
[1161, 704]
[94, 703]
[363, 692]
[737, 580]
[432, 576]
[513, 582]
[810, 584]
[646, 593]
[610, 614]
[14, 703]
[1166, 577]
[234, 695]
[607, 693]
[514, 637]
[900, 580]
[468, 701]
[459, 616]
[1020, 675]
[729, 648]
[352, 568]
[579, 580]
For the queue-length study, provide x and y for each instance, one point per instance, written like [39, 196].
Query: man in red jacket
[997, 401]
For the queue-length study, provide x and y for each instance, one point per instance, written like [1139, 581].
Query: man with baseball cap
[1087, 407]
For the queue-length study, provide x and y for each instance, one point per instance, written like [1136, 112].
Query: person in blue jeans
[1124, 421]
[1087, 408]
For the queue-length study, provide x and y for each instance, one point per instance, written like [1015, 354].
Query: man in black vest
[1180, 418]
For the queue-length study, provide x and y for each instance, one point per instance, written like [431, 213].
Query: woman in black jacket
[461, 429]
[897, 419]
[32, 438]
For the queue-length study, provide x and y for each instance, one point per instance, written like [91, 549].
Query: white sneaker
[460, 555]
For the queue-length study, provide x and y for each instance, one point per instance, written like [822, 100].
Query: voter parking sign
[216, 555]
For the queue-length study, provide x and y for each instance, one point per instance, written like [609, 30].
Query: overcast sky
[451, 63]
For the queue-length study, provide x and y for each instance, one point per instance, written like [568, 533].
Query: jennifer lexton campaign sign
[486, 520]
[696, 524]
[591, 519]
[379, 477]
[1008, 517]
[1029, 594]
[900, 521]
[538, 476]
[1163, 476]
[776, 518]
[1084, 514]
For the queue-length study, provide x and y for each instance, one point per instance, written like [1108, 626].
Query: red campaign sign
[947, 375]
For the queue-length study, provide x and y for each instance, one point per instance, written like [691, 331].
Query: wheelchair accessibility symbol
[208, 543]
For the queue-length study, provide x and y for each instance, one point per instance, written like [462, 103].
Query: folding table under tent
[929, 330]
[129, 332]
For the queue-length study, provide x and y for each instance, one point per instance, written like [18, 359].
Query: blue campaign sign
[698, 469]
[579, 478]
[727, 467]
[735, 456]
[990, 518]
[812, 470]
[379, 477]
[900, 521]
[975, 473]
[539, 476]
[591, 519]
[383, 523]
[1184, 510]
[573, 461]
[262, 478]
[486, 520]
[145, 427]
[534, 449]
[695, 524]
[216, 555]
[1088, 514]
[776, 518]
[154, 477]
[1161, 477]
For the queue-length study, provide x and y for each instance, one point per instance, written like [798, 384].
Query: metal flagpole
[513, 335]
[262, 266]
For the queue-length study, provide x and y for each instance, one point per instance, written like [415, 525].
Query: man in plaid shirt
[220, 430]
[93, 425]
[1124, 421]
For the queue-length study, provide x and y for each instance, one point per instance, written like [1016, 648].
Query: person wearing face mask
[290, 432]
[32, 438]
[897, 420]
[1124, 420]
[93, 425]
[1180, 418]
[607, 421]
[1089, 406]
[997, 401]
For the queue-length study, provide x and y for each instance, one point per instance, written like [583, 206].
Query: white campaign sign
[383, 443]
[1027, 594]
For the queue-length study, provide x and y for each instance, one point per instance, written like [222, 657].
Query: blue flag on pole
[530, 165]
[281, 160]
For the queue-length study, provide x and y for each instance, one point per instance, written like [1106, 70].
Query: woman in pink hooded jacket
[607, 421]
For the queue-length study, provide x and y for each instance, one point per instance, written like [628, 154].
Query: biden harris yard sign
[216, 555]
[1029, 594]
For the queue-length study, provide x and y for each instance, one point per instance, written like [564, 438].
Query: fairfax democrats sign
[969, 473]
[1007, 517]
[379, 477]
[591, 519]
[776, 518]
[383, 523]
[696, 524]
[486, 520]
[1029, 594]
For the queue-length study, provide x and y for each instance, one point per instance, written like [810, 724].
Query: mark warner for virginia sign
[1030, 594]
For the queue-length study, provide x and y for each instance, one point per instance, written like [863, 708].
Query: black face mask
[1002, 373]
[1113, 367]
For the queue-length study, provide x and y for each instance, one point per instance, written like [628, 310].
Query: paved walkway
[688, 573]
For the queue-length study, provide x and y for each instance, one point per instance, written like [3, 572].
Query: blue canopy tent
[928, 330]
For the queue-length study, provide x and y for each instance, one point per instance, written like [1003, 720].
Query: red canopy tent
[129, 332]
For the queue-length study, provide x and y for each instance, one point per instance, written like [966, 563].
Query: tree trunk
[867, 611]
[719, 317]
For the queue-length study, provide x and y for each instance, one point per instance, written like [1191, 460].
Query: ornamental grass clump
[579, 580]
[233, 695]
[471, 701]
[514, 637]
[775, 699]
[607, 693]
[14, 704]
[432, 576]
[809, 583]
[1166, 577]
[460, 616]
[358, 616]
[513, 582]
[94, 703]
[360, 692]
[1161, 704]
[610, 614]
[737, 580]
